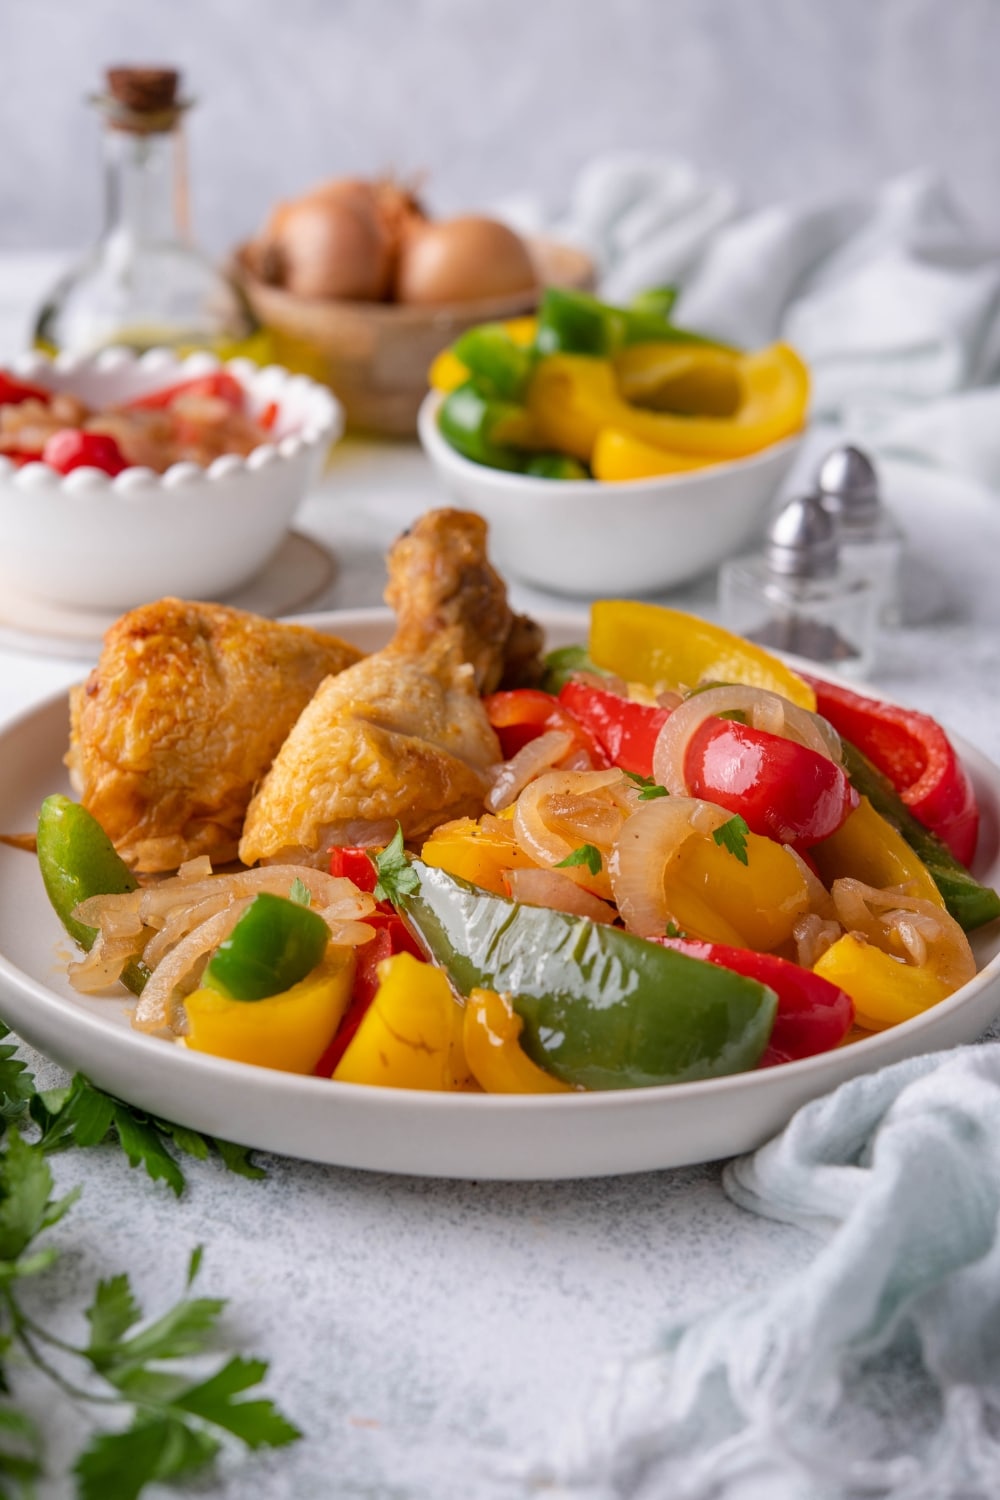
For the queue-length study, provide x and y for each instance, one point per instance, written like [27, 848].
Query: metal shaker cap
[802, 540]
[848, 484]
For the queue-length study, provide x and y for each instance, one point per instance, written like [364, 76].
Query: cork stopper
[142, 100]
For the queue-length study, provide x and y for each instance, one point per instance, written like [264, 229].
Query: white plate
[434, 1135]
[300, 570]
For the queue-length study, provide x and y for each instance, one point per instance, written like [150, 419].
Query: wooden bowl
[375, 355]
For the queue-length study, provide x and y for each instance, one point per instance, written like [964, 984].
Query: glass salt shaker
[144, 283]
[796, 596]
[871, 542]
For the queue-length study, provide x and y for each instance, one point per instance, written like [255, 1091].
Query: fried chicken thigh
[182, 716]
[401, 736]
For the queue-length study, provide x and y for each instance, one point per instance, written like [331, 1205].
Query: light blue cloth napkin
[782, 1395]
[891, 297]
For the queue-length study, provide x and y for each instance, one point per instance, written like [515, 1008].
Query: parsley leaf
[649, 789]
[732, 835]
[300, 893]
[396, 876]
[587, 855]
[674, 931]
[17, 1085]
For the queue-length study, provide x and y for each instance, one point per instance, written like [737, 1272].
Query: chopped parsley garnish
[396, 877]
[585, 855]
[300, 893]
[649, 789]
[733, 836]
[674, 931]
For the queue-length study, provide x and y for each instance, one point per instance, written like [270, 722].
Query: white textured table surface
[427, 1335]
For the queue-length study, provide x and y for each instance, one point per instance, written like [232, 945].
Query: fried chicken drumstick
[402, 736]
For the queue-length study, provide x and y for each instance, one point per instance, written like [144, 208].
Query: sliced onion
[512, 776]
[555, 814]
[155, 1010]
[551, 888]
[764, 710]
[820, 900]
[813, 935]
[648, 841]
[195, 869]
[923, 931]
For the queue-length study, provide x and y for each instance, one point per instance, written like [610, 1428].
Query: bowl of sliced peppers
[610, 450]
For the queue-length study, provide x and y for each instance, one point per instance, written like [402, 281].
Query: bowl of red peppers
[127, 477]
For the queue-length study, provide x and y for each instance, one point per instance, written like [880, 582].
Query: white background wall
[493, 97]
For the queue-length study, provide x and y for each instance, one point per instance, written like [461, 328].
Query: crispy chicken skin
[403, 735]
[181, 717]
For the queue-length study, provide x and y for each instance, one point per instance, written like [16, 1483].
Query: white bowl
[87, 540]
[634, 536]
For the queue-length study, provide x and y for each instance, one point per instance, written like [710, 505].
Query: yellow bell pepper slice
[572, 396]
[885, 990]
[867, 848]
[686, 378]
[410, 1036]
[713, 895]
[651, 644]
[493, 1051]
[480, 852]
[289, 1031]
[620, 455]
[447, 372]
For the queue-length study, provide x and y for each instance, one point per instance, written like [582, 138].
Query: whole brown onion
[333, 242]
[461, 260]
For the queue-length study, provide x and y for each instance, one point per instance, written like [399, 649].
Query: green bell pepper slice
[77, 860]
[498, 366]
[970, 903]
[601, 1008]
[273, 946]
[474, 424]
[579, 323]
[556, 466]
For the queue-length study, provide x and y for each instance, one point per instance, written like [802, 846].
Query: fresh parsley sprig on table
[174, 1423]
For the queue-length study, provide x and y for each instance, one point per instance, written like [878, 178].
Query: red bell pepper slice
[13, 392]
[71, 449]
[783, 790]
[913, 751]
[354, 864]
[220, 384]
[391, 936]
[625, 731]
[522, 714]
[813, 1015]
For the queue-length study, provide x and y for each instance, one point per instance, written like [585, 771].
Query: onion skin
[336, 242]
[460, 260]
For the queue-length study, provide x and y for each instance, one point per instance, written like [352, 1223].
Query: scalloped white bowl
[630, 536]
[89, 541]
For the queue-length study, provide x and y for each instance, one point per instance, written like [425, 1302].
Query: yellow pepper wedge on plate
[478, 852]
[493, 1051]
[866, 847]
[289, 1031]
[713, 895]
[410, 1037]
[620, 455]
[651, 644]
[885, 990]
[571, 397]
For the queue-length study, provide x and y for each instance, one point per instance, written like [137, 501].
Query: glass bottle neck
[145, 191]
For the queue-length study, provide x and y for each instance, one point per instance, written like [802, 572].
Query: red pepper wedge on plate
[220, 385]
[913, 751]
[356, 864]
[13, 392]
[391, 936]
[813, 1015]
[522, 714]
[782, 790]
[625, 731]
